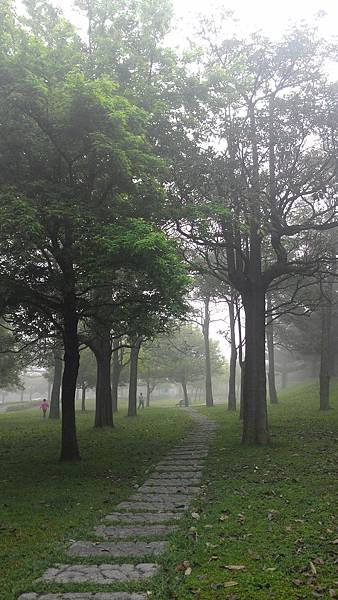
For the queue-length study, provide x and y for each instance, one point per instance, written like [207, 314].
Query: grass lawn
[268, 519]
[44, 504]
[266, 526]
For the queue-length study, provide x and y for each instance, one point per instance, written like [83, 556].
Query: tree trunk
[69, 445]
[185, 394]
[255, 428]
[240, 357]
[233, 357]
[148, 393]
[241, 400]
[101, 347]
[116, 371]
[54, 412]
[271, 357]
[209, 400]
[132, 403]
[325, 352]
[83, 397]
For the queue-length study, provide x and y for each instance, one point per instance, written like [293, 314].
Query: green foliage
[11, 364]
[180, 356]
[80, 181]
[87, 369]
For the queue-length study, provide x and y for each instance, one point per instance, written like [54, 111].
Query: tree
[271, 355]
[181, 355]
[256, 202]
[11, 364]
[151, 368]
[121, 359]
[54, 412]
[87, 374]
[77, 162]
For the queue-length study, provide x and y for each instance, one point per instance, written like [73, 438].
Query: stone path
[139, 527]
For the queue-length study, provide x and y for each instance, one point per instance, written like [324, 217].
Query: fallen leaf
[195, 515]
[230, 584]
[335, 541]
[188, 571]
[235, 567]
[254, 555]
[312, 568]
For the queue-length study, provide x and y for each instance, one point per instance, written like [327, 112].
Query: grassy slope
[272, 511]
[44, 503]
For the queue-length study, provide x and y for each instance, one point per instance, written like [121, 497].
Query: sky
[268, 15]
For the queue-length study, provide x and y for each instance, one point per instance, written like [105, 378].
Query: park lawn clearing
[44, 503]
[265, 526]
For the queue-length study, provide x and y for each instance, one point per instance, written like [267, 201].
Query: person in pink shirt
[44, 407]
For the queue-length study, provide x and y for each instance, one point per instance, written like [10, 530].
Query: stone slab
[134, 531]
[180, 468]
[164, 481]
[192, 464]
[142, 517]
[102, 574]
[169, 489]
[141, 497]
[174, 474]
[188, 455]
[151, 506]
[85, 596]
[117, 549]
[190, 447]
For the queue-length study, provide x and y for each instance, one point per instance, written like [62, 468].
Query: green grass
[44, 503]
[271, 510]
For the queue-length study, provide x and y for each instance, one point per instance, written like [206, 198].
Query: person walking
[44, 406]
[140, 401]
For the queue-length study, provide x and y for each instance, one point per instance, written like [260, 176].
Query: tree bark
[240, 356]
[132, 402]
[54, 412]
[209, 400]
[116, 371]
[271, 357]
[83, 397]
[241, 400]
[185, 393]
[255, 427]
[233, 357]
[101, 347]
[325, 351]
[148, 393]
[69, 445]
